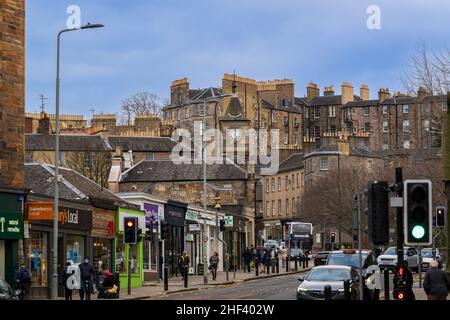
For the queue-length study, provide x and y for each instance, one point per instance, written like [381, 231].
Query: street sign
[229, 222]
[318, 237]
[205, 238]
[191, 215]
[11, 226]
[189, 237]
[396, 202]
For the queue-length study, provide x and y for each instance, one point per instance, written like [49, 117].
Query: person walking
[185, 261]
[87, 277]
[23, 280]
[436, 283]
[247, 258]
[65, 275]
[213, 264]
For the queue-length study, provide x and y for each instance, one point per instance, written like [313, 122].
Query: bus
[300, 235]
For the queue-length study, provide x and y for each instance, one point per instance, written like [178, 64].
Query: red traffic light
[130, 224]
[401, 271]
[401, 296]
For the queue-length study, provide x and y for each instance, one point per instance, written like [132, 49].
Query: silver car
[388, 260]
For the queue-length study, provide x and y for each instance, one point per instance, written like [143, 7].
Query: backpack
[24, 276]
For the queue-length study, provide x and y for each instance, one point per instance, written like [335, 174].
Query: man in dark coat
[87, 276]
[436, 283]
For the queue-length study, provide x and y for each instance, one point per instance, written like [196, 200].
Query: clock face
[235, 134]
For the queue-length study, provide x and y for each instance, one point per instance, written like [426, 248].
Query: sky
[147, 44]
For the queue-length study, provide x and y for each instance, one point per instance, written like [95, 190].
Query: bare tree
[428, 70]
[142, 103]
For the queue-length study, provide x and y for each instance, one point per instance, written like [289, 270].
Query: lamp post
[54, 291]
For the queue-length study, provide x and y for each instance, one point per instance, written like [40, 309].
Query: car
[427, 257]
[321, 258]
[350, 258]
[312, 287]
[6, 292]
[388, 259]
[297, 253]
[271, 244]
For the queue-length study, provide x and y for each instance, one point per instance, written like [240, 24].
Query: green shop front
[11, 231]
[125, 253]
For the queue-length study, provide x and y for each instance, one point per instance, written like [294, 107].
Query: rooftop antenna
[42, 98]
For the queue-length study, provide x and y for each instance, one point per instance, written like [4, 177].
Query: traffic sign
[205, 238]
[229, 222]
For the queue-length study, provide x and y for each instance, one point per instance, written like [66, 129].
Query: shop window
[134, 260]
[75, 248]
[120, 257]
[102, 254]
[38, 258]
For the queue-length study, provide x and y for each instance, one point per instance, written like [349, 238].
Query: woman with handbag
[213, 264]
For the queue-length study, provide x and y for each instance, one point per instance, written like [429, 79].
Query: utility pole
[357, 199]
[400, 235]
[446, 160]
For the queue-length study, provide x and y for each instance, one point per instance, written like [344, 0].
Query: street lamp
[54, 291]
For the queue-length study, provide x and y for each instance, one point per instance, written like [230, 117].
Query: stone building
[33, 122]
[12, 121]
[282, 197]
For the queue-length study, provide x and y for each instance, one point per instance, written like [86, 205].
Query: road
[277, 288]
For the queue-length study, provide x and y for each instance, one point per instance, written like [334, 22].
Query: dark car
[312, 287]
[297, 253]
[321, 258]
[6, 292]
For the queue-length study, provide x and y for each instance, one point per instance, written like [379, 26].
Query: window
[273, 207]
[87, 160]
[283, 102]
[332, 111]
[279, 183]
[349, 126]
[385, 126]
[333, 129]
[316, 112]
[406, 109]
[294, 206]
[286, 137]
[178, 114]
[293, 181]
[323, 164]
[38, 259]
[187, 113]
[296, 124]
[298, 182]
[286, 179]
[406, 145]
[279, 207]
[405, 125]
[274, 118]
[273, 184]
[303, 179]
[367, 126]
[369, 166]
[317, 132]
[287, 206]
[366, 111]
[296, 138]
[267, 208]
[267, 185]
[286, 121]
[102, 254]
[201, 110]
[385, 109]
[149, 156]
[385, 146]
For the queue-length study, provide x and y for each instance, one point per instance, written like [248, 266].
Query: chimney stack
[422, 92]
[312, 91]
[44, 124]
[347, 93]
[383, 94]
[364, 92]
[329, 91]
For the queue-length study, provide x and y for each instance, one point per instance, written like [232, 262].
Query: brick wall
[12, 92]
[100, 223]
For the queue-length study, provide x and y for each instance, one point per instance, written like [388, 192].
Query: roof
[268, 105]
[73, 186]
[294, 162]
[202, 94]
[301, 101]
[234, 110]
[143, 144]
[334, 150]
[400, 100]
[326, 101]
[440, 98]
[362, 103]
[46, 142]
[165, 170]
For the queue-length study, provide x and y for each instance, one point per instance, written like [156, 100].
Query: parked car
[271, 244]
[427, 257]
[312, 287]
[6, 292]
[297, 252]
[388, 260]
[321, 258]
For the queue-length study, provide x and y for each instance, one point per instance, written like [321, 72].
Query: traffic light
[165, 230]
[139, 233]
[418, 212]
[378, 212]
[440, 217]
[333, 237]
[400, 283]
[130, 230]
[222, 225]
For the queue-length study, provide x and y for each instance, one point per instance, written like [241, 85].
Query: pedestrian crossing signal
[440, 217]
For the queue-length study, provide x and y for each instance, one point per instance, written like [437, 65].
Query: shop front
[192, 239]
[175, 216]
[11, 231]
[152, 251]
[129, 256]
[74, 226]
[273, 230]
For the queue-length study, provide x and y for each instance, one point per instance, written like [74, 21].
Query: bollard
[186, 275]
[166, 279]
[386, 284]
[307, 261]
[304, 262]
[287, 265]
[296, 264]
[327, 292]
[347, 290]
[278, 266]
[273, 266]
[268, 269]
[257, 267]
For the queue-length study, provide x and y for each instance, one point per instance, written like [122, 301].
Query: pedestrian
[185, 261]
[283, 255]
[247, 258]
[65, 275]
[87, 277]
[213, 264]
[436, 283]
[23, 280]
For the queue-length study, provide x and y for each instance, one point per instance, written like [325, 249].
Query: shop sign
[71, 218]
[194, 227]
[40, 211]
[11, 226]
[151, 216]
[191, 215]
[229, 222]
[175, 213]
[189, 237]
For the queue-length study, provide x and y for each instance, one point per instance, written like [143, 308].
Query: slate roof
[326, 101]
[45, 142]
[234, 110]
[401, 100]
[203, 94]
[74, 186]
[165, 170]
[268, 105]
[440, 98]
[294, 162]
[143, 144]
[362, 103]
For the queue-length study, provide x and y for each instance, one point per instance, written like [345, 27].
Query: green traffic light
[418, 232]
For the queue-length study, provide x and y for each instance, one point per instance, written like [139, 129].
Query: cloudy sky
[148, 43]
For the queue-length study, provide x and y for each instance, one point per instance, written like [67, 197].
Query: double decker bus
[300, 235]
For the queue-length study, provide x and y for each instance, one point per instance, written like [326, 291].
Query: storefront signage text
[191, 215]
[11, 226]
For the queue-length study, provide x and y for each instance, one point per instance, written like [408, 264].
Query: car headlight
[302, 290]
[341, 290]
